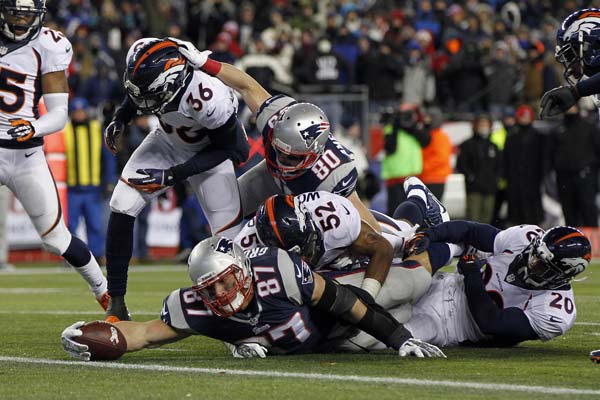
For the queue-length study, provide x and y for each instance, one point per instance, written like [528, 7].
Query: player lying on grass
[267, 300]
[518, 291]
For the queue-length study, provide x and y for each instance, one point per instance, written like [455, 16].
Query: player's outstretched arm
[380, 251]
[141, 335]
[353, 305]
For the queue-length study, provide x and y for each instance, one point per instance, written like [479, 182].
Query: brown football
[105, 340]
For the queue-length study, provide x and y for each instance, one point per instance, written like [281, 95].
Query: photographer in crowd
[405, 135]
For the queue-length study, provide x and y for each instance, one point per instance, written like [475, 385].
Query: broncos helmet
[155, 73]
[280, 222]
[553, 259]
[22, 20]
[578, 44]
[221, 275]
[297, 140]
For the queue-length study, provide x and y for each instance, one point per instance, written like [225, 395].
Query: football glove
[418, 348]
[75, 349]
[155, 179]
[469, 262]
[417, 244]
[558, 100]
[21, 130]
[247, 350]
[195, 58]
[111, 133]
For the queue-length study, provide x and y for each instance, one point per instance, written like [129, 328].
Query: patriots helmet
[578, 44]
[552, 260]
[221, 275]
[21, 20]
[297, 140]
[282, 222]
[155, 74]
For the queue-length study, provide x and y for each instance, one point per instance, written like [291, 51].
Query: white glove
[195, 58]
[418, 348]
[248, 350]
[75, 349]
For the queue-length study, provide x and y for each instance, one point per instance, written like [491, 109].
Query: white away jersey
[334, 215]
[206, 104]
[21, 73]
[442, 315]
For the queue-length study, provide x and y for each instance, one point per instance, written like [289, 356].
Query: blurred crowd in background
[424, 63]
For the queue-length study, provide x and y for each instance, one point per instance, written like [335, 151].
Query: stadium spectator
[575, 146]
[525, 163]
[436, 155]
[498, 137]
[480, 162]
[503, 79]
[418, 82]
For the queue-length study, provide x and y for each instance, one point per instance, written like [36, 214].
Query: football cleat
[435, 212]
[595, 356]
[117, 310]
[104, 300]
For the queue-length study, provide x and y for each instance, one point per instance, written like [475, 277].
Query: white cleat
[435, 212]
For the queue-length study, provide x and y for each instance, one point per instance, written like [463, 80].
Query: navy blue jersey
[279, 316]
[334, 170]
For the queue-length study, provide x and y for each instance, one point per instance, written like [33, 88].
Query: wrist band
[211, 67]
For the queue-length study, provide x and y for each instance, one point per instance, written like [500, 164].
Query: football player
[327, 232]
[267, 300]
[518, 289]
[33, 64]
[578, 50]
[301, 155]
[198, 138]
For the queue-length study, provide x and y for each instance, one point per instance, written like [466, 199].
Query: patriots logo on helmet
[224, 245]
[310, 134]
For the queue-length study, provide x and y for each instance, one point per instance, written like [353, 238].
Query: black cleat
[117, 310]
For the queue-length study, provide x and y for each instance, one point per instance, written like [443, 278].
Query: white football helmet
[221, 275]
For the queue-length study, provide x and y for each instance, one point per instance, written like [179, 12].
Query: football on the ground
[105, 340]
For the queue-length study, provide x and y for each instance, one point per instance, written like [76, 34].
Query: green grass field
[36, 304]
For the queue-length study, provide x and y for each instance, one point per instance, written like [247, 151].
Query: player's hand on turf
[418, 348]
[558, 100]
[111, 133]
[195, 58]
[75, 349]
[21, 130]
[469, 262]
[249, 350]
[154, 179]
[417, 244]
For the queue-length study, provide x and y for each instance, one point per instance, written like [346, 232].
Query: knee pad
[57, 240]
[403, 285]
[126, 200]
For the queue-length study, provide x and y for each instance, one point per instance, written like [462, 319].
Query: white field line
[309, 376]
[64, 270]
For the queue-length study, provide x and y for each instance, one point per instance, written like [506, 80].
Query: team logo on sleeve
[310, 134]
[307, 276]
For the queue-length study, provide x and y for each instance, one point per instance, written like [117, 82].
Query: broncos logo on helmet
[155, 74]
[578, 44]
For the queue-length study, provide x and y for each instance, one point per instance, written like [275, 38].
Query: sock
[439, 255]
[418, 192]
[456, 250]
[119, 247]
[79, 256]
[412, 209]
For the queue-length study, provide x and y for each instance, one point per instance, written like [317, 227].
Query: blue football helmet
[155, 74]
[22, 20]
[578, 44]
[553, 259]
[281, 223]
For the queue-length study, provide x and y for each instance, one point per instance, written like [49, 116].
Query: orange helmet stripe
[570, 235]
[590, 14]
[152, 49]
[270, 206]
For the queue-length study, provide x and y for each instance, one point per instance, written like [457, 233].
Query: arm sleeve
[227, 142]
[588, 87]
[126, 111]
[480, 236]
[56, 118]
[507, 325]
